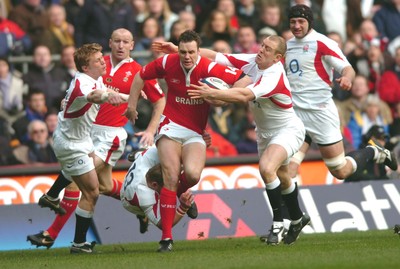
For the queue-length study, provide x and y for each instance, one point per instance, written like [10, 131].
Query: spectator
[217, 27]
[35, 110]
[387, 19]
[271, 17]
[38, 149]
[141, 12]
[371, 115]
[188, 18]
[222, 46]
[46, 76]
[246, 40]
[160, 10]
[51, 120]
[228, 7]
[248, 12]
[357, 10]
[361, 42]
[151, 29]
[357, 102]
[67, 62]
[12, 90]
[98, 18]
[31, 16]
[179, 5]
[372, 171]
[72, 9]
[389, 84]
[177, 29]
[374, 64]
[13, 40]
[60, 33]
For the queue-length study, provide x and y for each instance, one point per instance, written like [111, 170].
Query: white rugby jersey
[76, 119]
[272, 108]
[135, 189]
[309, 66]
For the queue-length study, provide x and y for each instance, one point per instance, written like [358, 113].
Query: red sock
[69, 203]
[116, 189]
[183, 185]
[167, 211]
[115, 193]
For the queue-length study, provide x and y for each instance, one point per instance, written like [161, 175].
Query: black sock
[275, 199]
[81, 228]
[292, 204]
[58, 185]
[362, 157]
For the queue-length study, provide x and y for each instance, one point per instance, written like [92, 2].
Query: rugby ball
[215, 83]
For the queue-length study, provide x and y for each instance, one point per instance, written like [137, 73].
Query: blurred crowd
[367, 31]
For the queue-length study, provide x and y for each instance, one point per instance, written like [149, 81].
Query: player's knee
[337, 166]
[267, 171]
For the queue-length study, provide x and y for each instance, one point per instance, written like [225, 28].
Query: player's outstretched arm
[100, 96]
[169, 47]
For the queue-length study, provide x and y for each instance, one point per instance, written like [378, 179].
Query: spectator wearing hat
[372, 171]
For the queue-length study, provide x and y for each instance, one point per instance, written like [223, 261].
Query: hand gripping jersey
[180, 108]
[309, 66]
[119, 78]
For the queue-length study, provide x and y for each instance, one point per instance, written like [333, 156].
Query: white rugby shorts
[178, 133]
[109, 142]
[73, 156]
[323, 125]
[290, 138]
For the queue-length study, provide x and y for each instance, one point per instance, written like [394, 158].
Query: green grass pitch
[371, 249]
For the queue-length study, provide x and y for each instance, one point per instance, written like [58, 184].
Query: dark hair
[302, 11]
[189, 36]
[33, 91]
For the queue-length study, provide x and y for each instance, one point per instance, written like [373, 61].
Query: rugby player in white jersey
[73, 145]
[310, 59]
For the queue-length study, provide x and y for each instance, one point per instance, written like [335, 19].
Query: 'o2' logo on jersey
[295, 67]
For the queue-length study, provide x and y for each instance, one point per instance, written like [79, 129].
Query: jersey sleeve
[153, 90]
[234, 60]
[154, 69]
[153, 213]
[333, 55]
